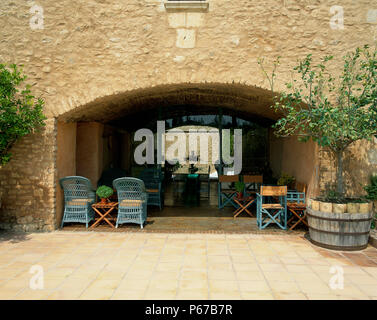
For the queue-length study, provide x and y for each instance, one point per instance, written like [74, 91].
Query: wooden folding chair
[252, 184]
[296, 206]
[225, 195]
[270, 212]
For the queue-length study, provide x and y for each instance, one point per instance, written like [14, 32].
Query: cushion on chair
[296, 205]
[130, 203]
[272, 206]
[79, 202]
[152, 190]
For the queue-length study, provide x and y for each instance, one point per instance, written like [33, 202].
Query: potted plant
[104, 192]
[286, 180]
[240, 187]
[334, 111]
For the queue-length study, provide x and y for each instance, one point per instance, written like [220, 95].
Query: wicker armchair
[153, 182]
[78, 199]
[132, 198]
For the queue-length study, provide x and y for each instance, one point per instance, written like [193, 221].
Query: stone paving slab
[129, 265]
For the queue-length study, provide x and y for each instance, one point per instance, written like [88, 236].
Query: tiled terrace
[129, 265]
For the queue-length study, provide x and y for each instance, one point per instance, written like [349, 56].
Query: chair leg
[61, 225]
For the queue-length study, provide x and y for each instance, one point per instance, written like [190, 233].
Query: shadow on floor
[13, 237]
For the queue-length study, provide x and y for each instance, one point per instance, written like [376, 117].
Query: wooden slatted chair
[252, 184]
[225, 195]
[270, 212]
[296, 206]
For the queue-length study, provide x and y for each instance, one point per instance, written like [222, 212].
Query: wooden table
[104, 210]
[243, 204]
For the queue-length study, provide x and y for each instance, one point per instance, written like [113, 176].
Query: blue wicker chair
[132, 198]
[79, 196]
[152, 178]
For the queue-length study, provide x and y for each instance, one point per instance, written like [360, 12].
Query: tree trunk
[339, 173]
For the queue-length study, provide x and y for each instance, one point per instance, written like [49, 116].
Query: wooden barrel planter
[339, 231]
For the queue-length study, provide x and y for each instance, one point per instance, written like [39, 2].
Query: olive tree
[334, 111]
[20, 112]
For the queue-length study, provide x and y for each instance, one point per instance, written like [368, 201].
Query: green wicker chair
[132, 201]
[79, 196]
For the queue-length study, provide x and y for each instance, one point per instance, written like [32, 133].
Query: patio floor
[133, 265]
[186, 220]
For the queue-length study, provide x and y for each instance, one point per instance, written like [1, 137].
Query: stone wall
[93, 49]
[28, 183]
[110, 53]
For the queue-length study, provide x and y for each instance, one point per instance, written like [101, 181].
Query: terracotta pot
[239, 195]
[103, 200]
[325, 207]
[353, 207]
[339, 207]
[315, 205]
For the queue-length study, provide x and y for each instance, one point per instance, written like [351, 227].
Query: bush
[20, 112]
[371, 189]
[104, 192]
[286, 180]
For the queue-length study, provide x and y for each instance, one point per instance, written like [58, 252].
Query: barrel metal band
[334, 219]
[341, 233]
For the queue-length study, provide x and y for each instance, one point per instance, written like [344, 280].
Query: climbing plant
[20, 112]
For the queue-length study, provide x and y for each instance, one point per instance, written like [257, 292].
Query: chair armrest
[144, 197]
[92, 195]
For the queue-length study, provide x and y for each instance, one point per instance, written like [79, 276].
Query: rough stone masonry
[79, 52]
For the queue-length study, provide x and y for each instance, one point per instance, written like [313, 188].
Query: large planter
[339, 231]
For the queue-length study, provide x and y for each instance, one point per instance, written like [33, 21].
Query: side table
[103, 210]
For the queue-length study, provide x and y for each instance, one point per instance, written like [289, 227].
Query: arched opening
[100, 135]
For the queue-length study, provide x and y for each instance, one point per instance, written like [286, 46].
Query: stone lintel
[201, 5]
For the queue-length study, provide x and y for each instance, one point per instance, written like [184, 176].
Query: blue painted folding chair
[296, 206]
[227, 192]
[269, 211]
[252, 184]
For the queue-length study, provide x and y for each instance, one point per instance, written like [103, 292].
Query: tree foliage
[333, 111]
[20, 112]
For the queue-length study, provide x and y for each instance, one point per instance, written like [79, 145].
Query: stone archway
[87, 122]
